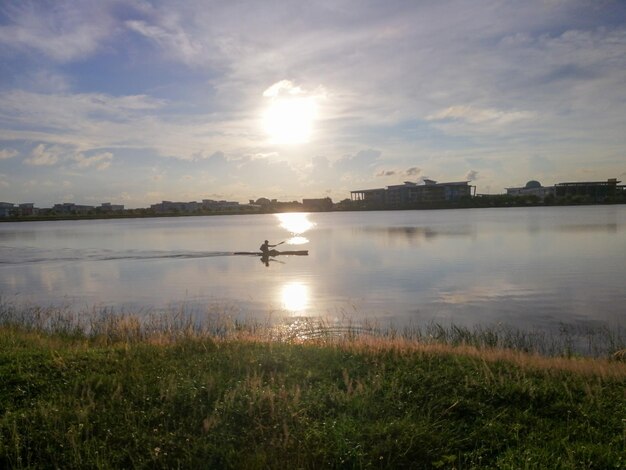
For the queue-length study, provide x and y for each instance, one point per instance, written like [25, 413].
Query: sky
[137, 101]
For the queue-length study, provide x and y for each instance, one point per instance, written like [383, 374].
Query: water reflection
[415, 233]
[10, 235]
[462, 267]
[589, 228]
[297, 241]
[295, 297]
[265, 259]
[296, 223]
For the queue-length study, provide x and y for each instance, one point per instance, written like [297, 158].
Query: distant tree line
[478, 201]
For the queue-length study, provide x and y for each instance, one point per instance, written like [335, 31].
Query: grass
[127, 393]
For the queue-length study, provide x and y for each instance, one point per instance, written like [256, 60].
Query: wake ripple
[35, 256]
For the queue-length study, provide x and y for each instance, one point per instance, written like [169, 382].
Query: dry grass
[101, 328]
[605, 368]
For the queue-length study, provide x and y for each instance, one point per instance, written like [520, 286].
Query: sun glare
[290, 120]
[296, 224]
[295, 297]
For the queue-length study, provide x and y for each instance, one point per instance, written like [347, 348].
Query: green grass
[198, 401]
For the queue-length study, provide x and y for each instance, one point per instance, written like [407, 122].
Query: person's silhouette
[265, 248]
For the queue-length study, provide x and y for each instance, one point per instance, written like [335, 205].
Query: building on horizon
[210, 204]
[164, 207]
[408, 192]
[593, 190]
[320, 204]
[7, 209]
[27, 209]
[532, 188]
[67, 208]
[108, 207]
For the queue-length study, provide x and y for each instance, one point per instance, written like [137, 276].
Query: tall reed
[223, 322]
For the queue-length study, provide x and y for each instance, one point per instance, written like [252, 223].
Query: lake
[532, 268]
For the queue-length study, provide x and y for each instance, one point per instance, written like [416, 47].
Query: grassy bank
[198, 401]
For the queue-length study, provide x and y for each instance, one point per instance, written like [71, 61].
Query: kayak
[273, 253]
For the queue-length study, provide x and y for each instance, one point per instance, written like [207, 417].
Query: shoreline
[429, 207]
[568, 342]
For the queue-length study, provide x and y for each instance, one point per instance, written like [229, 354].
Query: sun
[289, 120]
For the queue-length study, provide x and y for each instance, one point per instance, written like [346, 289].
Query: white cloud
[4, 181]
[100, 162]
[63, 33]
[427, 83]
[90, 121]
[71, 113]
[474, 115]
[174, 41]
[5, 154]
[281, 87]
[42, 156]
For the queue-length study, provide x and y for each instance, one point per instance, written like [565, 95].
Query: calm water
[524, 267]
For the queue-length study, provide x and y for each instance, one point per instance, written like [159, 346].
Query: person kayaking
[265, 248]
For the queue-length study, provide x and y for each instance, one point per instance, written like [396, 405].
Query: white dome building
[532, 188]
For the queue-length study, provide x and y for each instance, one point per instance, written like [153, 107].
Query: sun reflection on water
[295, 297]
[296, 223]
[297, 240]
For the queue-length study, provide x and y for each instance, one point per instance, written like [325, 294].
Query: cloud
[50, 155]
[42, 156]
[320, 162]
[5, 154]
[362, 161]
[471, 175]
[474, 115]
[171, 39]
[88, 113]
[4, 181]
[413, 171]
[63, 33]
[282, 87]
[48, 81]
[426, 83]
[217, 156]
[100, 162]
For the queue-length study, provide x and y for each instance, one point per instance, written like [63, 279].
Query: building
[210, 204]
[71, 208]
[7, 209]
[322, 204]
[410, 193]
[595, 191]
[532, 188]
[108, 207]
[165, 207]
[26, 209]
[371, 196]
